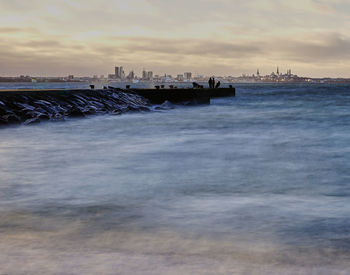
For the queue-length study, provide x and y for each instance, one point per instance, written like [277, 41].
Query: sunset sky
[221, 37]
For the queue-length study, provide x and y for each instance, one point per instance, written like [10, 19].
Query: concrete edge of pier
[155, 96]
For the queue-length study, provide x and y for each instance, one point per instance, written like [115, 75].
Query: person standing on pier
[209, 82]
[213, 83]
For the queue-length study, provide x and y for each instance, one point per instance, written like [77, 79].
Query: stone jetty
[30, 106]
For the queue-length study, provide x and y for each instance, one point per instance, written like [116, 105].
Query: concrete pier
[155, 96]
[200, 96]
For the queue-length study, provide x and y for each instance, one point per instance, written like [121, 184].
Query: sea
[253, 184]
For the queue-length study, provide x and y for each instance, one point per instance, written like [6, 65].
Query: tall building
[257, 72]
[180, 77]
[150, 75]
[188, 75]
[144, 75]
[121, 73]
[131, 75]
[278, 71]
[117, 72]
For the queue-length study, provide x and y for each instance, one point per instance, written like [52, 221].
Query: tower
[144, 74]
[131, 75]
[278, 71]
[257, 72]
[188, 75]
[121, 73]
[116, 72]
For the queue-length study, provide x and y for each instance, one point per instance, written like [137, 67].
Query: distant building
[188, 75]
[111, 76]
[116, 72]
[121, 73]
[180, 77]
[147, 75]
[131, 75]
[70, 77]
[144, 75]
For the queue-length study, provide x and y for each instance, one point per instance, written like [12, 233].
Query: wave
[31, 107]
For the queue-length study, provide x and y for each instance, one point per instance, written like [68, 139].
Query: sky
[221, 37]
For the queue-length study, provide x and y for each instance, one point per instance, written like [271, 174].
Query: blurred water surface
[255, 184]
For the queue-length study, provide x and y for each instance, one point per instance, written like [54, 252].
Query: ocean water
[255, 184]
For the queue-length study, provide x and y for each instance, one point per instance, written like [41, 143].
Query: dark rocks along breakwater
[34, 106]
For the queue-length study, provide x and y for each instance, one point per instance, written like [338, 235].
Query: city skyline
[205, 37]
[120, 75]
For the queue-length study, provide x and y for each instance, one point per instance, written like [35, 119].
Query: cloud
[10, 30]
[319, 48]
[91, 36]
[193, 47]
[312, 47]
[13, 30]
[333, 7]
[51, 44]
[174, 55]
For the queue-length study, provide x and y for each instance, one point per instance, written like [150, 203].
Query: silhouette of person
[217, 85]
[209, 82]
[213, 83]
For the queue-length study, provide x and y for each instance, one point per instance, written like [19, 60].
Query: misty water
[253, 184]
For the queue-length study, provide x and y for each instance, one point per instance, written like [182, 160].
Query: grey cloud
[8, 30]
[62, 56]
[47, 45]
[49, 63]
[195, 47]
[19, 5]
[43, 43]
[332, 48]
[222, 49]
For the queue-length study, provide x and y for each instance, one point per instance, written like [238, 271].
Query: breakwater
[175, 95]
[30, 106]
